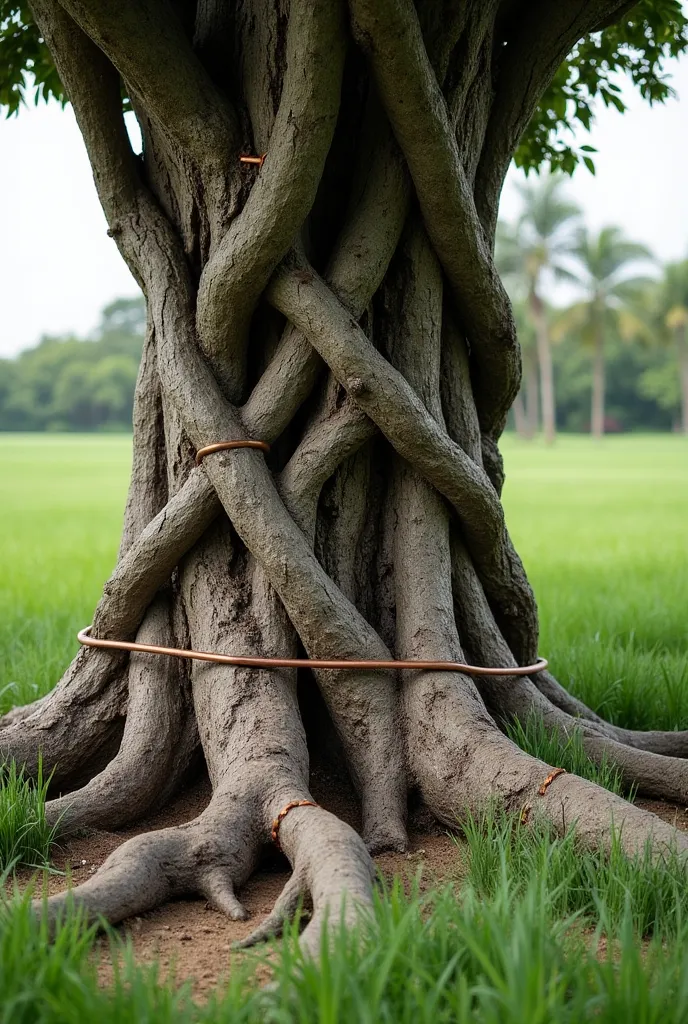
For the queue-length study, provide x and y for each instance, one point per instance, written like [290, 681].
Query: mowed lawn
[602, 529]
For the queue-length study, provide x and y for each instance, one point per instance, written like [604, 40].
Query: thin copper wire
[245, 158]
[274, 834]
[550, 779]
[84, 636]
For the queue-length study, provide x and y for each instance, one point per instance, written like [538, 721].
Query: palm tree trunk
[520, 416]
[544, 352]
[527, 402]
[682, 351]
[597, 417]
[532, 389]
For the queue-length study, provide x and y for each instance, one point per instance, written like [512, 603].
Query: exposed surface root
[292, 897]
[210, 856]
[670, 743]
[332, 864]
[77, 727]
[159, 740]
[561, 698]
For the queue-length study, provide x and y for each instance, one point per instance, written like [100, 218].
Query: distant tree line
[73, 383]
[617, 357]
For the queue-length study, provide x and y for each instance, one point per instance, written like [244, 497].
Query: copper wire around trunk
[223, 446]
[84, 636]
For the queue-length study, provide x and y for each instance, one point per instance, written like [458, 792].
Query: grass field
[602, 529]
[534, 930]
[61, 504]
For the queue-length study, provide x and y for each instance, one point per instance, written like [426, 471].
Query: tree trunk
[544, 351]
[682, 355]
[520, 417]
[598, 385]
[530, 374]
[338, 302]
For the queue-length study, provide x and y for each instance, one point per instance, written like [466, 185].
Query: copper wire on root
[550, 779]
[222, 446]
[241, 661]
[274, 834]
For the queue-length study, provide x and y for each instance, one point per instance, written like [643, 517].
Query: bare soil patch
[194, 941]
[191, 939]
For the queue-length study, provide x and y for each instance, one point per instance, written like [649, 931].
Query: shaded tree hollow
[337, 301]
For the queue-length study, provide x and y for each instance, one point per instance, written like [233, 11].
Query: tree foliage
[638, 45]
[25, 60]
[76, 384]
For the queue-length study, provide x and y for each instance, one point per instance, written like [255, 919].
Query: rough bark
[339, 302]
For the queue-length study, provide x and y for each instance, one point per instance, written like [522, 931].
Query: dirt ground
[193, 939]
[196, 941]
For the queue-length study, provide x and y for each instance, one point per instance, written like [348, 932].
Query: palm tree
[527, 401]
[604, 260]
[539, 245]
[671, 310]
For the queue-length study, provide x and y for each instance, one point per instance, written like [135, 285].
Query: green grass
[505, 954]
[603, 888]
[61, 507]
[564, 752]
[25, 835]
[602, 530]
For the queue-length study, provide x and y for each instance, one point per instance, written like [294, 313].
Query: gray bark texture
[339, 302]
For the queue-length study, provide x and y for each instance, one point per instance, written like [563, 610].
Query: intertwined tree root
[377, 525]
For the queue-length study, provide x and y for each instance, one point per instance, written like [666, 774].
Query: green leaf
[637, 46]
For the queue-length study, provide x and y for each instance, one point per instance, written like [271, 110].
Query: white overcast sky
[58, 268]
